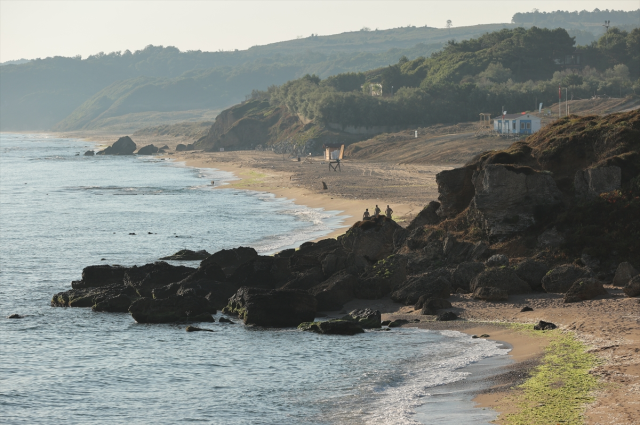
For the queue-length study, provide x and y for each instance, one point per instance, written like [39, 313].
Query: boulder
[532, 271]
[145, 279]
[306, 279]
[196, 329]
[525, 309]
[311, 255]
[148, 150]
[255, 273]
[181, 147]
[430, 306]
[456, 251]
[173, 309]
[15, 316]
[333, 262]
[216, 293]
[592, 182]
[88, 297]
[117, 304]
[550, 238]
[507, 198]
[488, 293]
[446, 316]
[100, 275]
[187, 255]
[368, 242]
[272, 308]
[225, 320]
[544, 326]
[455, 189]
[498, 260]
[584, 289]
[334, 292]
[229, 260]
[89, 153]
[480, 251]
[561, 278]
[366, 318]
[123, 146]
[332, 327]
[624, 273]
[632, 289]
[397, 323]
[432, 285]
[427, 216]
[503, 278]
[464, 274]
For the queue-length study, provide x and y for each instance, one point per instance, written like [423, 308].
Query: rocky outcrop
[272, 308]
[507, 197]
[148, 150]
[532, 271]
[100, 275]
[145, 279]
[187, 255]
[333, 293]
[446, 316]
[89, 153]
[427, 216]
[455, 189]
[123, 146]
[561, 278]
[464, 274]
[173, 309]
[498, 260]
[91, 296]
[584, 289]
[592, 182]
[230, 259]
[385, 276]
[550, 238]
[332, 327]
[624, 273]
[430, 306]
[434, 284]
[181, 147]
[488, 293]
[632, 289]
[366, 318]
[501, 278]
[368, 242]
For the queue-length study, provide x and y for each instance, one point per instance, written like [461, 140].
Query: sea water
[60, 211]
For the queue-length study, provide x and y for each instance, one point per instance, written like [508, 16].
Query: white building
[516, 124]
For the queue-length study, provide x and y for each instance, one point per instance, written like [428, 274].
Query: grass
[560, 387]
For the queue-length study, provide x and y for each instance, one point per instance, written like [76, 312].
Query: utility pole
[559, 99]
[566, 100]
[606, 38]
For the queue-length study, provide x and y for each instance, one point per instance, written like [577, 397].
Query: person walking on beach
[366, 215]
[388, 212]
[377, 212]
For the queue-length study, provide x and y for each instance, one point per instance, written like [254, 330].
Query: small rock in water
[103, 259]
[474, 336]
[526, 308]
[15, 316]
[544, 326]
[195, 329]
[132, 234]
[225, 320]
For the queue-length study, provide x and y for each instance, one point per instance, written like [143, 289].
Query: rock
[632, 289]
[484, 336]
[624, 273]
[225, 320]
[497, 260]
[15, 316]
[334, 292]
[100, 275]
[181, 147]
[507, 198]
[397, 323]
[385, 276]
[148, 150]
[332, 327]
[123, 146]
[489, 293]
[385, 322]
[145, 279]
[464, 274]
[431, 285]
[592, 182]
[456, 251]
[165, 147]
[589, 261]
[367, 318]
[427, 216]
[306, 279]
[187, 255]
[173, 309]
[368, 242]
[255, 273]
[195, 329]
[584, 289]
[532, 272]
[430, 306]
[561, 278]
[272, 308]
[89, 153]
[229, 260]
[550, 238]
[446, 316]
[502, 278]
[526, 308]
[88, 297]
[117, 304]
[455, 189]
[544, 326]
[480, 251]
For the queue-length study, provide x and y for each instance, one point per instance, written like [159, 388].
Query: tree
[449, 24]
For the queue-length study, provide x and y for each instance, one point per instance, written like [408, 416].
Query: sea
[61, 211]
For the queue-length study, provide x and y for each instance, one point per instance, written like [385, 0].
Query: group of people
[376, 213]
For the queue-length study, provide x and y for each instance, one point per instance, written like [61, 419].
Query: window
[514, 124]
[522, 126]
[528, 126]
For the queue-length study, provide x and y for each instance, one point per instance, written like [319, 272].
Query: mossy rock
[332, 327]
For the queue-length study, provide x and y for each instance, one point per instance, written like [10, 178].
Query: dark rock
[385, 322]
[332, 327]
[430, 306]
[592, 182]
[313, 254]
[225, 320]
[385, 276]
[550, 238]
[229, 260]
[461, 291]
[446, 316]
[489, 293]
[455, 188]
[367, 318]
[100, 275]
[498, 260]
[427, 216]
[532, 271]
[544, 326]
[368, 242]
[14, 316]
[480, 251]
[88, 297]
[624, 273]
[148, 150]
[503, 278]
[333, 262]
[272, 308]
[431, 285]
[334, 292]
[123, 146]
[584, 289]
[632, 289]
[118, 304]
[89, 153]
[456, 251]
[145, 279]
[484, 336]
[255, 273]
[181, 147]
[187, 255]
[219, 294]
[173, 309]
[195, 329]
[464, 274]
[560, 279]
[165, 147]
[208, 270]
[397, 323]
[305, 280]
[526, 308]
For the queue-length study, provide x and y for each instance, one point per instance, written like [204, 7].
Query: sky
[39, 29]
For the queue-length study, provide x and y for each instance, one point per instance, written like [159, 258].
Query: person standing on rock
[377, 212]
[388, 212]
[366, 215]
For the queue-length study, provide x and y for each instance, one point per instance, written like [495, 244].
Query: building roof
[515, 116]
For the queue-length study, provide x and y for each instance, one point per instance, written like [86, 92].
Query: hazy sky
[32, 29]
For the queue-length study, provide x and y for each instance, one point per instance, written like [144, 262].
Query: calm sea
[60, 212]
